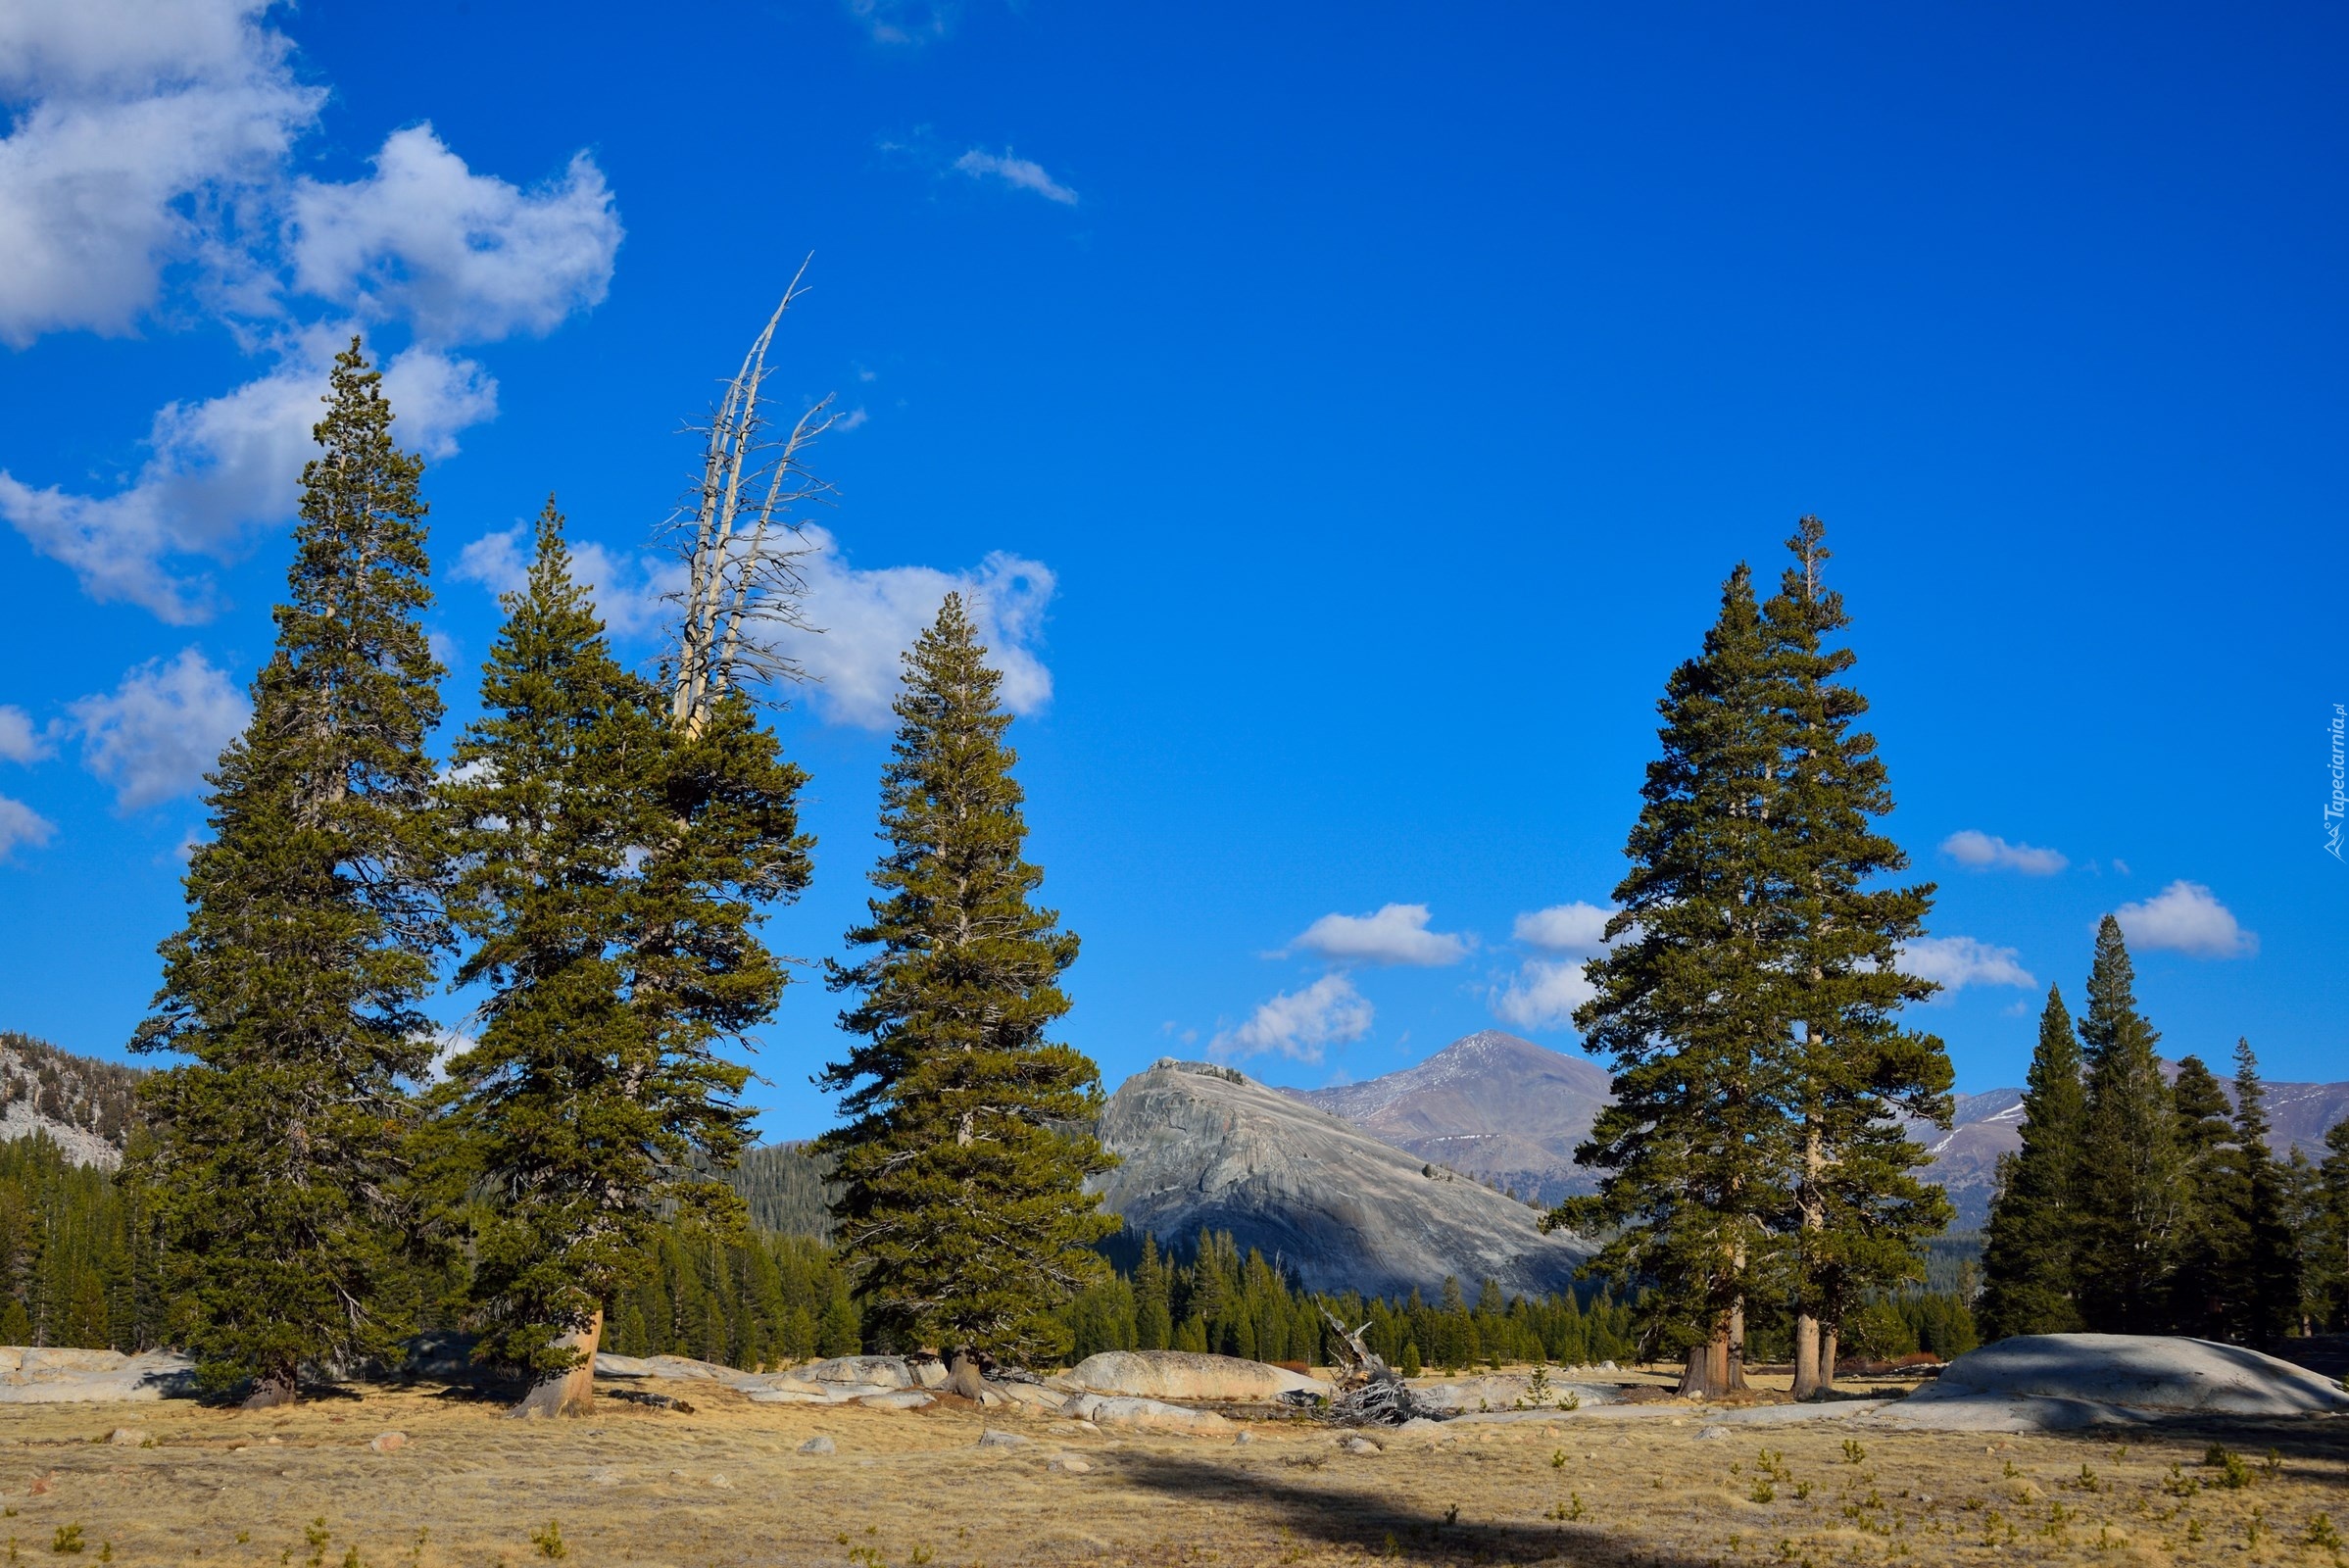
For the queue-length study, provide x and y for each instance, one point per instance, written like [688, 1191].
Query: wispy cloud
[2187, 918]
[20, 824]
[1956, 962]
[904, 21]
[1576, 927]
[20, 742]
[1021, 173]
[149, 177]
[1985, 852]
[1300, 1024]
[1398, 933]
[1544, 994]
[158, 732]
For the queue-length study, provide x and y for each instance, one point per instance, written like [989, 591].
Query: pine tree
[2027, 1257]
[1693, 1147]
[2131, 1192]
[2328, 1244]
[1860, 1210]
[576, 1116]
[2202, 1297]
[2265, 1262]
[962, 1209]
[281, 1157]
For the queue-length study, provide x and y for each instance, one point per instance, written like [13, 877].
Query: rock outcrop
[1202, 1146]
[2043, 1382]
[1186, 1375]
[36, 1375]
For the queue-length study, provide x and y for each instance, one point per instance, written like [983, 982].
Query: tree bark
[1733, 1351]
[1826, 1359]
[1716, 1367]
[271, 1391]
[572, 1393]
[963, 1376]
[1807, 1382]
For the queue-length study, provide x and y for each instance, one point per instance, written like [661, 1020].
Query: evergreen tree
[580, 1115]
[2329, 1245]
[281, 1157]
[2266, 1257]
[2027, 1257]
[962, 1209]
[1687, 1007]
[2202, 1299]
[1860, 1211]
[2131, 1195]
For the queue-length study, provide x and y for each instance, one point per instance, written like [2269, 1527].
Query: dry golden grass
[725, 1486]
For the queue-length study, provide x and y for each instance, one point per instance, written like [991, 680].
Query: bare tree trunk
[272, 1389]
[1826, 1359]
[963, 1376]
[572, 1393]
[1733, 1351]
[1806, 1356]
[1714, 1369]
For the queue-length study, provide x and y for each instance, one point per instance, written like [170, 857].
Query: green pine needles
[963, 1152]
[2027, 1283]
[1755, 1152]
[282, 1150]
[606, 867]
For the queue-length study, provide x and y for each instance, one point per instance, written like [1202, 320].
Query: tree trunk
[572, 1393]
[1712, 1370]
[271, 1390]
[1826, 1359]
[1808, 1383]
[1733, 1351]
[963, 1376]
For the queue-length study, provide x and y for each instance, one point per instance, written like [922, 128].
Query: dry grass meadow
[726, 1484]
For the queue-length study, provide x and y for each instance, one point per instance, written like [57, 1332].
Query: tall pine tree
[2131, 1194]
[1860, 1077]
[2028, 1284]
[1692, 1009]
[2201, 1291]
[2266, 1267]
[280, 1156]
[574, 1120]
[962, 1210]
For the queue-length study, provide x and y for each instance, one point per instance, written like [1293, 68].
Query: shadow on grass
[2312, 1448]
[1359, 1517]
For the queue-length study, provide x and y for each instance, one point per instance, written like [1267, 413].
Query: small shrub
[2178, 1484]
[1763, 1490]
[2087, 1479]
[1802, 1491]
[66, 1542]
[1557, 1459]
[1854, 1454]
[1571, 1401]
[2233, 1473]
[2321, 1532]
[1571, 1509]
[549, 1540]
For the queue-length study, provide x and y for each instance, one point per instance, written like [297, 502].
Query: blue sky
[1346, 415]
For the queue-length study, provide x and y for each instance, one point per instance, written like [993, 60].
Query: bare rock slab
[1187, 1375]
[2052, 1381]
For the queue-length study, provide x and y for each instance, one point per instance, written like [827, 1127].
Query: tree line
[2144, 1204]
[591, 864]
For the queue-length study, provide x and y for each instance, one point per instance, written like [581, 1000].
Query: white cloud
[447, 1046]
[626, 590]
[150, 126]
[1984, 852]
[1022, 174]
[1397, 934]
[903, 21]
[2187, 918]
[1564, 928]
[21, 824]
[868, 617]
[154, 150]
[217, 468]
[466, 258]
[20, 742]
[158, 733]
[1299, 1023]
[1544, 994]
[1955, 962]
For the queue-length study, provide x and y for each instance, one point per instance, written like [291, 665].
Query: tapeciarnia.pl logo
[2334, 807]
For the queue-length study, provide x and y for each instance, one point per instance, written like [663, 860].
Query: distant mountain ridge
[1510, 1111]
[1202, 1146]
